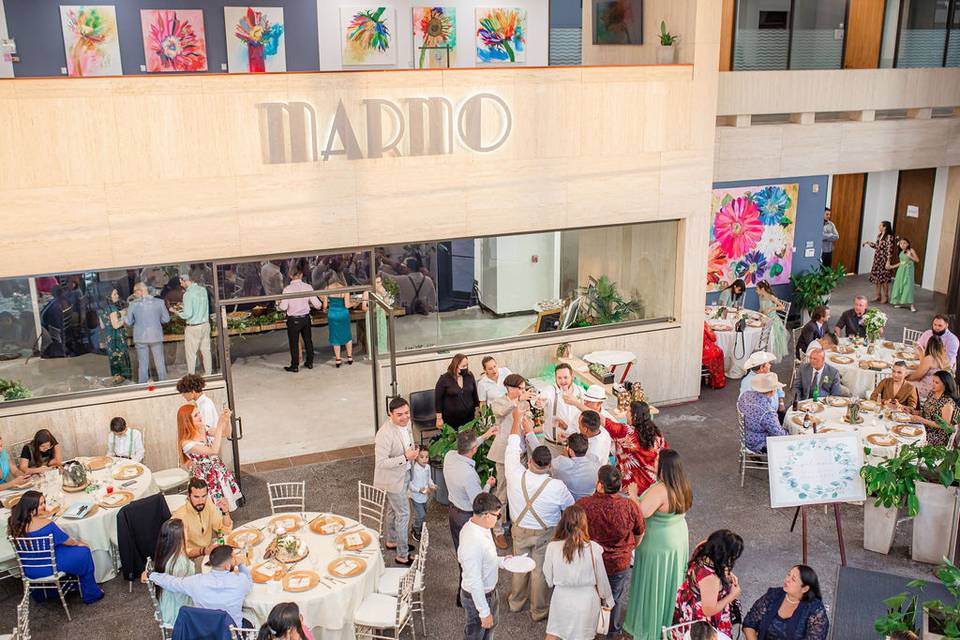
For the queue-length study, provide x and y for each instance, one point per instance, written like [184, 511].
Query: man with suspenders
[536, 501]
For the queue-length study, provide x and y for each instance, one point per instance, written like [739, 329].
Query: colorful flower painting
[90, 40]
[751, 235]
[501, 35]
[435, 37]
[369, 36]
[617, 21]
[255, 41]
[173, 40]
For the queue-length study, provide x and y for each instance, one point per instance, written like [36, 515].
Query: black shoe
[291, 369]
[349, 360]
[338, 363]
[459, 604]
[308, 365]
[416, 535]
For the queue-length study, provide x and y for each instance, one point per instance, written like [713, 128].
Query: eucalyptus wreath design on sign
[797, 455]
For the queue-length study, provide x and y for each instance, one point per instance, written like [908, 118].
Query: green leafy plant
[13, 390]
[893, 482]
[944, 618]
[939, 463]
[811, 288]
[898, 617]
[667, 39]
[392, 288]
[447, 441]
[607, 305]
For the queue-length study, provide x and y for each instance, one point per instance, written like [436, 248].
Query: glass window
[953, 38]
[68, 333]
[818, 31]
[923, 33]
[500, 287]
[762, 35]
[269, 277]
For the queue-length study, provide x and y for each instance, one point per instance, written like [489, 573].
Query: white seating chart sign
[815, 469]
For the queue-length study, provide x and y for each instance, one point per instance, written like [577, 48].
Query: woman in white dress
[573, 566]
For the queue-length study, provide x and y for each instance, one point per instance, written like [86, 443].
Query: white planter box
[935, 527]
[666, 55]
[879, 527]
[926, 633]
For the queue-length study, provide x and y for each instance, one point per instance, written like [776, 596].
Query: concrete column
[803, 118]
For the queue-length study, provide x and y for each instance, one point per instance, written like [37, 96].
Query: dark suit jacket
[829, 382]
[808, 334]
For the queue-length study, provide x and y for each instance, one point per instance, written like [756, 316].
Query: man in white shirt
[479, 567]
[536, 502]
[394, 451]
[560, 417]
[124, 442]
[598, 440]
[827, 342]
[576, 469]
[190, 387]
[490, 384]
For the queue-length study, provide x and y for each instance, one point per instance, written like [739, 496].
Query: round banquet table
[874, 422]
[327, 610]
[734, 354]
[99, 529]
[852, 361]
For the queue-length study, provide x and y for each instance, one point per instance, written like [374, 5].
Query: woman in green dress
[901, 295]
[115, 333]
[171, 558]
[770, 304]
[660, 560]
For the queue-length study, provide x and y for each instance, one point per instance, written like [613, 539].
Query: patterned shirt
[759, 420]
[616, 524]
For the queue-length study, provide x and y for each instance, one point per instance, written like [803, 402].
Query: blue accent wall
[566, 14]
[809, 228]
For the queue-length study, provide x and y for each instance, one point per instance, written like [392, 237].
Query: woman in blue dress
[338, 319]
[28, 520]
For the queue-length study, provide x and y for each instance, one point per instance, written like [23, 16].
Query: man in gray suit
[394, 452]
[816, 373]
[146, 314]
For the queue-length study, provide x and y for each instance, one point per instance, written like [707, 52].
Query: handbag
[603, 621]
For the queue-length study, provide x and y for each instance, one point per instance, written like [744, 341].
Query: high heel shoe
[349, 359]
[338, 362]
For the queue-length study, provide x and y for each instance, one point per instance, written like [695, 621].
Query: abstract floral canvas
[751, 235]
[173, 40]
[90, 40]
[617, 21]
[501, 35]
[255, 41]
[435, 37]
[368, 35]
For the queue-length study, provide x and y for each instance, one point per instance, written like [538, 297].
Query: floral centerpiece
[874, 321]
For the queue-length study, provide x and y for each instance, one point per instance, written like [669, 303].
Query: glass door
[380, 321]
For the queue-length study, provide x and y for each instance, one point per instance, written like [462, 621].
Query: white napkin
[353, 539]
[296, 583]
[331, 527]
[346, 567]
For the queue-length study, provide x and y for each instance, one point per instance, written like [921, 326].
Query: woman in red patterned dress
[202, 449]
[713, 358]
[710, 588]
[637, 447]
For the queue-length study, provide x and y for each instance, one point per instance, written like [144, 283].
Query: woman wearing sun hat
[759, 418]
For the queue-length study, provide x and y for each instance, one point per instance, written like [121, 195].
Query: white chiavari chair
[383, 617]
[237, 633]
[370, 506]
[389, 583]
[286, 497]
[166, 630]
[39, 555]
[677, 631]
[748, 459]
[911, 336]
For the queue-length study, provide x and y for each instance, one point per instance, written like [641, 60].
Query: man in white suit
[394, 452]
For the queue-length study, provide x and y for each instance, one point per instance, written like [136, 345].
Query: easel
[802, 513]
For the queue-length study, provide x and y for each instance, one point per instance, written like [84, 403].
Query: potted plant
[606, 305]
[898, 617]
[446, 441]
[941, 619]
[666, 51]
[13, 390]
[935, 527]
[812, 288]
[893, 484]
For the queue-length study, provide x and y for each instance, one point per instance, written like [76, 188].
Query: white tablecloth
[99, 530]
[735, 351]
[873, 422]
[328, 611]
[861, 382]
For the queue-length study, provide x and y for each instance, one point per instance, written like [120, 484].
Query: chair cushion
[378, 611]
[175, 501]
[170, 478]
[389, 583]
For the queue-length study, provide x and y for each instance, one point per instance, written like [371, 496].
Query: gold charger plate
[907, 431]
[76, 489]
[290, 522]
[335, 568]
[838, 401]
[122, 497]
[881, 439]
[902, 417]
[300, 581]
[98, 463]
[832, 430]
[244, 537]
[845, 349]
[906, 355]
[755, 323]
[365, 540]
[11, 501]
[841, 359]
[267, 570]
[326, 525]
[798, 420]
[869, 405]
[892, 345]
[128, 472]
[809, 406]
[721, 327]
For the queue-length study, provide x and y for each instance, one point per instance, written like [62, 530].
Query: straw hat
[766, 382]
[758, 358]
[595, 393]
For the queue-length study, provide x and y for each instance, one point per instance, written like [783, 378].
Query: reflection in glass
[953, 39]
[762, 35]
[269, 277]
[923, 33]
[818, 30]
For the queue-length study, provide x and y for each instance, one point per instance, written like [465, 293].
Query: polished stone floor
[704, 432]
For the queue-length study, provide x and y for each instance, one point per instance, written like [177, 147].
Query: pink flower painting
[173, 40]
[737, 227]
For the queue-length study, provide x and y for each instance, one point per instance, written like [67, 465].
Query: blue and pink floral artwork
[751, 235]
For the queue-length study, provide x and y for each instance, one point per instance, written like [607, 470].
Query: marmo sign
[418, 127]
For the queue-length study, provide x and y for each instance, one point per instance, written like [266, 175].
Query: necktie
[816, 381]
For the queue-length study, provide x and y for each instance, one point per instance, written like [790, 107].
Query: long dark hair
[887, 229]
[949, 387]
[283, 617]
[808, 578]
[22, 514]
[42, 436]
[454, 367]
[737, 283]
[720, 551]
[169, 546]
[573, 531]
[670, 472]
[647, 431]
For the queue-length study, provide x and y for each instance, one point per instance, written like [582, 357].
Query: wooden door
[727, 25]
[864, 33]
[911, 218]
[846, 207]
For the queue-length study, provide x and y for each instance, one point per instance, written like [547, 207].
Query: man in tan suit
[394, 452]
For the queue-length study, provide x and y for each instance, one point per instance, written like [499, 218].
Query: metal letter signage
[289, 131]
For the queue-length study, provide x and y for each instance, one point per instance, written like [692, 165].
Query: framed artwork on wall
[434, 37]
[501, 35]
[255, 41]
[617, 21]
[368, 35]
[90, 40]
[173, 40]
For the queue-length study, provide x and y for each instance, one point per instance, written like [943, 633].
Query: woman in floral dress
[201, 448]
[637, 447]
[940, 405]
[880, 276]
[116, 338]
[710, 588]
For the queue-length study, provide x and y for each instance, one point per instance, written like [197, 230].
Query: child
[421, 486]
[702, 631]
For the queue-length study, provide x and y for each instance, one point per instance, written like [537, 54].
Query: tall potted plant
[935, 527]
[446, 441]
[893, 485]
[812, 288]
[667, 50]
[898, 616]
